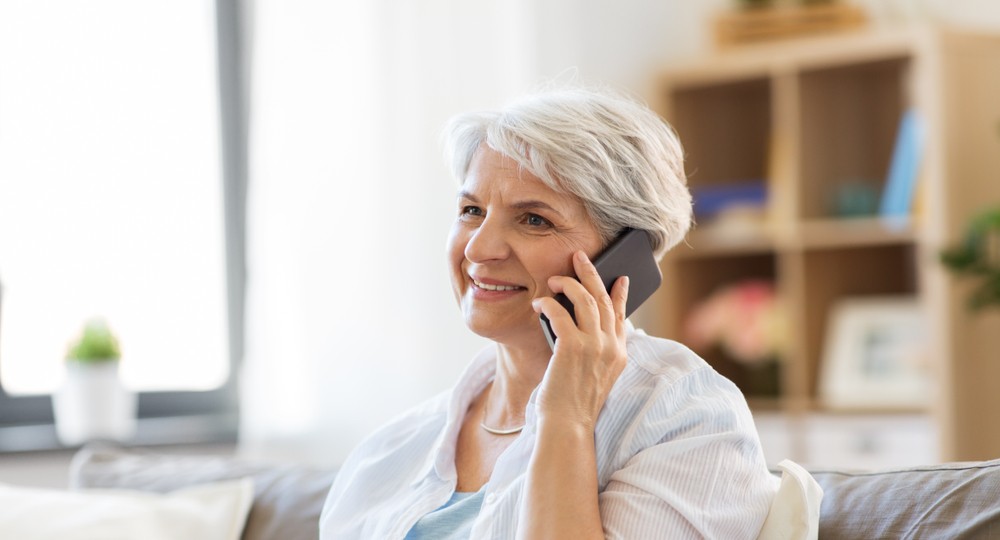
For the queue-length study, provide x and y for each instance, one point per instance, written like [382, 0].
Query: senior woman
[610, 433]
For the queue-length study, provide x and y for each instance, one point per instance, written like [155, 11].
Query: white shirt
[677, 456]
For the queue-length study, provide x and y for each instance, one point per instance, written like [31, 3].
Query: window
[112, 201]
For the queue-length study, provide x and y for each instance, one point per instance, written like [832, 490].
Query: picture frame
[875, 355]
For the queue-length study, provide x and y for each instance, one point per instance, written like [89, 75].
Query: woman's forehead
[494, 174]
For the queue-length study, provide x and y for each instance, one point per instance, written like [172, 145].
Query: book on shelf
[901, 180]
[712, 200]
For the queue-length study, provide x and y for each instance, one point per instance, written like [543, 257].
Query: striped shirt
[677, 456]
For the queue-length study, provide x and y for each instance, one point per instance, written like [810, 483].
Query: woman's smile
[490, 289]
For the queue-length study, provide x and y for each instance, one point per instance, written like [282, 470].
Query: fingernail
[625, 283]
[581, 256]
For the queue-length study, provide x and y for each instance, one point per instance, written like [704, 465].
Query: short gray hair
[616, 155]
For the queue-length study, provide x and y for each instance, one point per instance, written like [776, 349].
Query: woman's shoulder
[670, 399]
[666, 371]
[663, 358]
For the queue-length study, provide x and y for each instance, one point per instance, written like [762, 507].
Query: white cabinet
[849, 441]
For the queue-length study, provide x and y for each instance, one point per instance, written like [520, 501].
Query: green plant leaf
[979, 256]
[96, 344]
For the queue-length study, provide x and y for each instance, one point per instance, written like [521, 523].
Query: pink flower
[745, 319]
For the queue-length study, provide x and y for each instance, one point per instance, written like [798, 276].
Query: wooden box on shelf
[814, 119]
[756, 24]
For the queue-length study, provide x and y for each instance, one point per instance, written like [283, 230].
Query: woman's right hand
[589, 354]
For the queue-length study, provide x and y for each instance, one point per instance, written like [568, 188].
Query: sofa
[954, 500]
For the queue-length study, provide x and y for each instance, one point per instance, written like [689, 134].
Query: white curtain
[350, 316]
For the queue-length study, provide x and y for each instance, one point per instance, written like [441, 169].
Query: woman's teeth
[489, 287]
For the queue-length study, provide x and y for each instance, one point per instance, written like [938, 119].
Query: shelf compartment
[731, 120]
[693, 281]
[848, 123]
[833, 274]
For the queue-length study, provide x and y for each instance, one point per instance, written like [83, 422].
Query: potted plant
[92, 403]
[978, 256]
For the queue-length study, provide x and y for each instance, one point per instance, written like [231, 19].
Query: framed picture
[875, 355]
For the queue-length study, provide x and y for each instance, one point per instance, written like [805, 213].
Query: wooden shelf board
[819, 408]
[795, 55]
[789, 404]
[855, 232]
[711, 241]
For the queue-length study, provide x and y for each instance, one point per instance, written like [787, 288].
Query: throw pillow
[215, 511]
[794, 513]
[288, 498]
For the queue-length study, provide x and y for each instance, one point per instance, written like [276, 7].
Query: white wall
[622, 42]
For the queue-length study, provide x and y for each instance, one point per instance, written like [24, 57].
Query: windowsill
[50, 469]
[202, 429]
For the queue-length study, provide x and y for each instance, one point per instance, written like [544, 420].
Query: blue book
[901, 183]
[712, 199]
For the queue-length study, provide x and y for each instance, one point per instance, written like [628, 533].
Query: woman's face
[511, 234]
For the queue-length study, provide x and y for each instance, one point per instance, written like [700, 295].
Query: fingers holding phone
[594, 309]
[631, 254]
[594, 285]
[590, 354]
[587, 317]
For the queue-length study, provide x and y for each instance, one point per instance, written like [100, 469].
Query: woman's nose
[487, 243]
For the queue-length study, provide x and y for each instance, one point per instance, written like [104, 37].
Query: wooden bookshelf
[810, 116]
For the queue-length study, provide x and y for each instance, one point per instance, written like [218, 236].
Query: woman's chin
[488, 329]
[519, 333]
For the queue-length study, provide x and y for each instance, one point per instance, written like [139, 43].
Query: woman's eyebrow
[535, 205]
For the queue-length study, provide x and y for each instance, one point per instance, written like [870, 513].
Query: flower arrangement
[746, 320]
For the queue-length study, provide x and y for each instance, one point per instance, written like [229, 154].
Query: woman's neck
[519, 372]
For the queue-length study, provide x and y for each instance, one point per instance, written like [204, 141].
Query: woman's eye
[535, 220]
[472, 211]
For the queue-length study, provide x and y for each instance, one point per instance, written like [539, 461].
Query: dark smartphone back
[631, 254]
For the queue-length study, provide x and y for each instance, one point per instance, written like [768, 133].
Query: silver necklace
[494, 431]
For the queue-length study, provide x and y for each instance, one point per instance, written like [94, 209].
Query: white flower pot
[92, 404]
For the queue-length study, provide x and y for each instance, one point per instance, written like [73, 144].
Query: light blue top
[452, 521]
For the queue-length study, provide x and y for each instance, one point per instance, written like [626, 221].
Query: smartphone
[631, 254]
